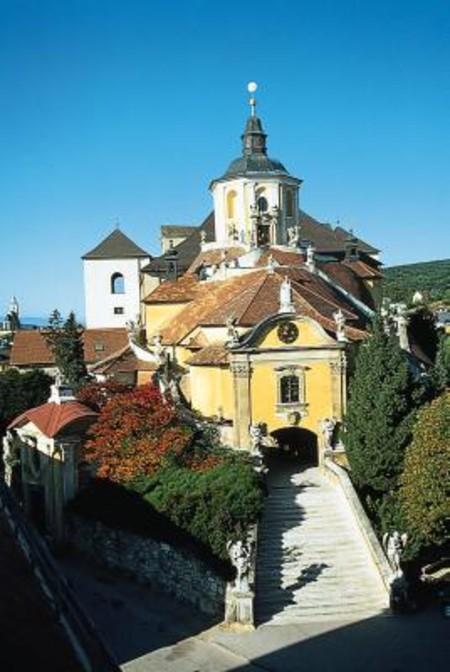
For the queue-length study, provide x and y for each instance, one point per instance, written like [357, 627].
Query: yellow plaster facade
[247, 390]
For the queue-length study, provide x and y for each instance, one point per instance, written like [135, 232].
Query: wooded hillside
[430, 277]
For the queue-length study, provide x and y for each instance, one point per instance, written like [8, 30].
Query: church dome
[255, 163]
[254, 159]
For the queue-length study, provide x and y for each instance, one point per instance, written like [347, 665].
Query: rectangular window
[289, 390]
[118, 310]
[99, 347]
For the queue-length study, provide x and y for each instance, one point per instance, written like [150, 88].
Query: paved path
[312, 563]
[149, 632]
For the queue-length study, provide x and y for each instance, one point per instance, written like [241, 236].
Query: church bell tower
[256, 200]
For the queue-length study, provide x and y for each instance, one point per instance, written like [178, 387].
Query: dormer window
[117, 283]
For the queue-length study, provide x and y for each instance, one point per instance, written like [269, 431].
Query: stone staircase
[312, 563]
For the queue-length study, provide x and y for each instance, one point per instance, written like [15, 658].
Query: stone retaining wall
[156, 563]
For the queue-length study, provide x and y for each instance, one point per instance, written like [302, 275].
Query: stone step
[306, 523]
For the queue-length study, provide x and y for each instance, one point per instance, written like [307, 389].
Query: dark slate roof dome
[256, 163]
[254, 157]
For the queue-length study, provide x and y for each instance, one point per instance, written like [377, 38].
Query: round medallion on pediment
[287, 332]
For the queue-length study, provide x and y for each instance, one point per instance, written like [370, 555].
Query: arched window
[231, 204]
[289, 389]
[289, 204]
[117, 284]
[262, 204]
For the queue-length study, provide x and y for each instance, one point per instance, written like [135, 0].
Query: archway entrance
[295, 443]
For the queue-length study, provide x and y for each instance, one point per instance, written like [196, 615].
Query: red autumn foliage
[203, 463]
[135, 431]
[96, 395]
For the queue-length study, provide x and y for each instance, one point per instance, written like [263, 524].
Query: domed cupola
[256, 200]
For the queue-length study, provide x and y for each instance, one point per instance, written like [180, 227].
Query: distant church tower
[12, 318]
[256, 200]
[112, 281]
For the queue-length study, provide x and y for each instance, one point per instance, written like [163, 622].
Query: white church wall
[247, 191]
[104, 308]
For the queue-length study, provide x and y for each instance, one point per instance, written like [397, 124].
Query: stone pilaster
[339, 386]
[242, 404]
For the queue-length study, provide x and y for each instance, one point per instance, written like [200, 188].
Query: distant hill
[429, 277]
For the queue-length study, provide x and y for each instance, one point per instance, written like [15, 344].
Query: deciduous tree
[135, 432]
[96, 395]
[425, 482]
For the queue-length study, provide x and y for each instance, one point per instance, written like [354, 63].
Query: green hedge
[213, 506]
[196, 510]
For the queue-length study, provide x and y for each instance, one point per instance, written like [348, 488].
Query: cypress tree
[379, 415]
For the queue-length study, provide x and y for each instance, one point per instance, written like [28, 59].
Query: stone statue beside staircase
[394, 545]
[239, 595]
[240, 554]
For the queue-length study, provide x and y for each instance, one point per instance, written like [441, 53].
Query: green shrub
[425, 482]
[213, 506]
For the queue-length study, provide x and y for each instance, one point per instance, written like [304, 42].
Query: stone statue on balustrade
[9, 457]
[394, 545]
[340, 320]
[240, 555]
[158, 349]
[328, 426]
[232, 332]
[293, 233]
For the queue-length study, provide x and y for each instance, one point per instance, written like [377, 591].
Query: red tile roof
[363, 269]
[122, 361]
[100, 343]
[281, 257]
[176, 291]
[30, 348]
[216, 257]
[52, 418]
[253, 296]
[211, 355]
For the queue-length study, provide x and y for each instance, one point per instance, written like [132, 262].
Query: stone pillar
[55, 486]
[242, 403]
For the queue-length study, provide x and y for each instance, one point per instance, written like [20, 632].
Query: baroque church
[253, 315]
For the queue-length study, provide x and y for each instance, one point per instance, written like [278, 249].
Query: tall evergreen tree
[379, 415]
[66, 342]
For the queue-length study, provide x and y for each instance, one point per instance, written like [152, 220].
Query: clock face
[288, 332]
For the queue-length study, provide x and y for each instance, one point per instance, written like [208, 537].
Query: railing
[88, 647]
[339, 475]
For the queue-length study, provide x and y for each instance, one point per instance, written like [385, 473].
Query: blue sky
[127, 110]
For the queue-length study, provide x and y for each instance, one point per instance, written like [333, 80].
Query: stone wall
[152, 562]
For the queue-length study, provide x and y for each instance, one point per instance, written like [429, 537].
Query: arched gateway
[296, 443]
